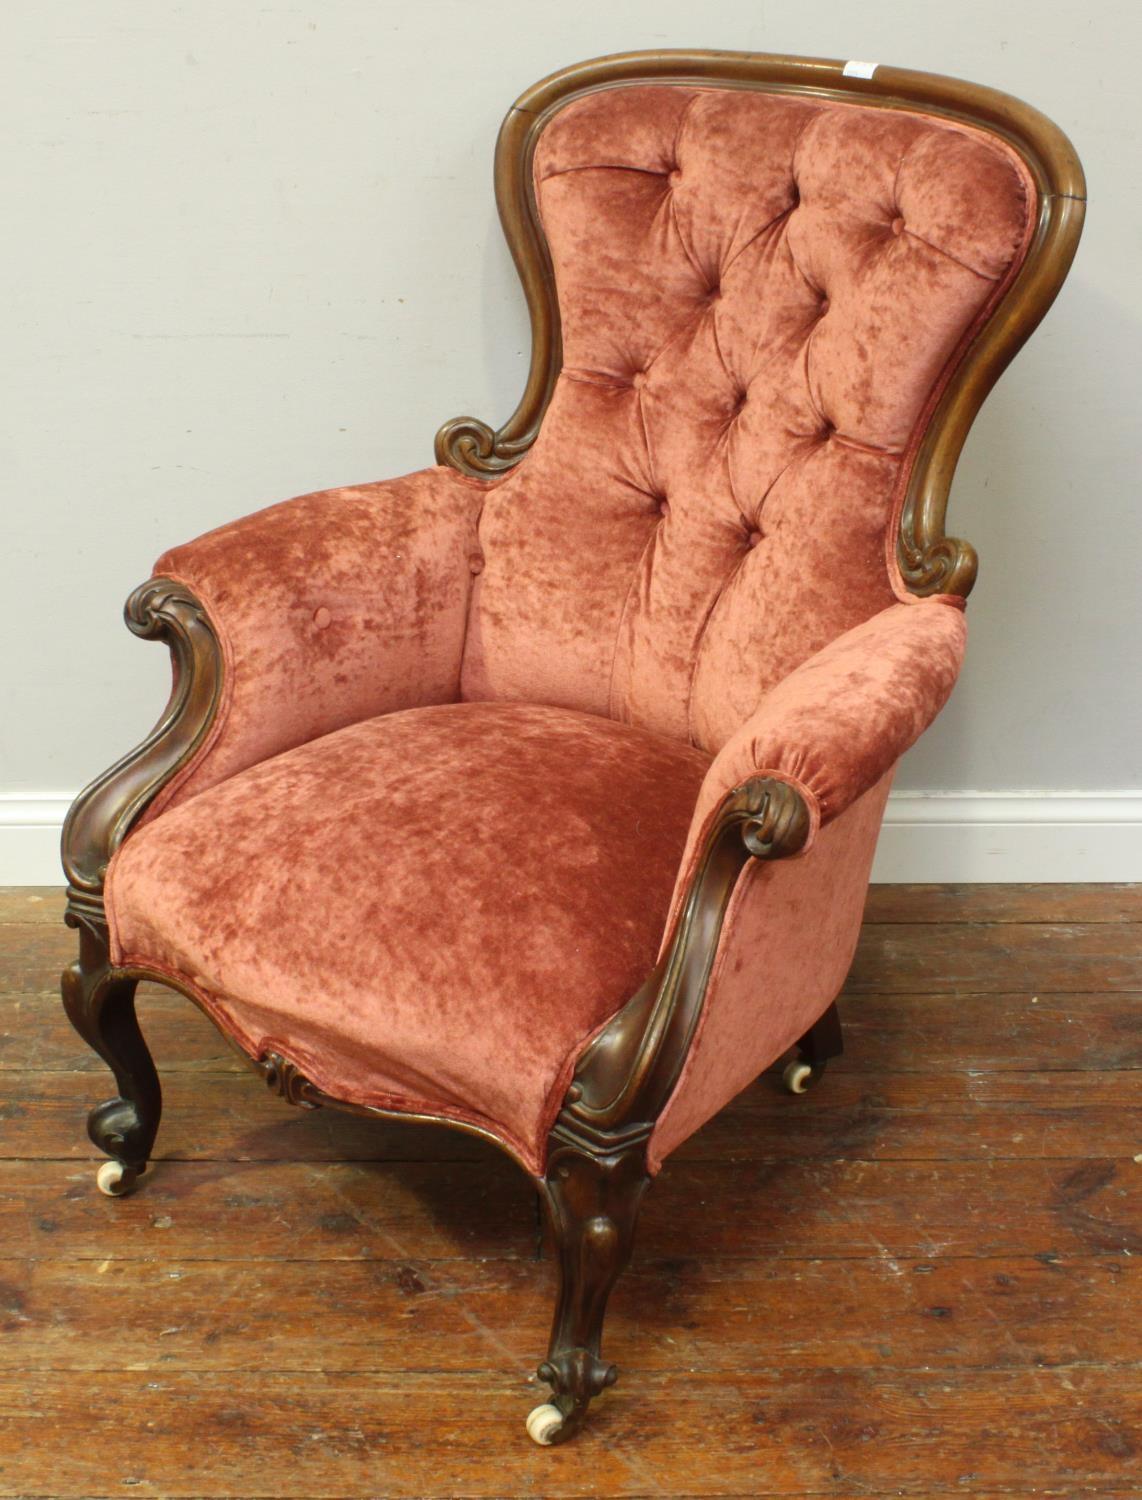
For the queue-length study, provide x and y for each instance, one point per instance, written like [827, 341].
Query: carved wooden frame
[930, 561]
[596, 1168]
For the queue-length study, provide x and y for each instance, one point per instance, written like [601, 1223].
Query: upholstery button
[673, 175]
[638, 380]
[321, 617]
[664, 508]
[475, 564]
[823, 307]
[898, 225]
[754, 538]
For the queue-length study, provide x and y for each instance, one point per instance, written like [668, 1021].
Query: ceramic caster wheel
[543, 1423]
[115, 1180]
[799, 1076]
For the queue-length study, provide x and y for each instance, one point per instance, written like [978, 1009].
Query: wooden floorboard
[708, 1433]
[905, 1117]
[958, 1313]
[921, 1279]
[1003, 903]
[885, 1034]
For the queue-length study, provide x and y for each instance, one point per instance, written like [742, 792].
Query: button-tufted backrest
[760, 293]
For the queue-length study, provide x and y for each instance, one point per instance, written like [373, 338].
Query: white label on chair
[860, 69]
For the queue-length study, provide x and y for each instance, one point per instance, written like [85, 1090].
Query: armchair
[536, 793]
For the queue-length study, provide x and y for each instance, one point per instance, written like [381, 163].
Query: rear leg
[822, 1041]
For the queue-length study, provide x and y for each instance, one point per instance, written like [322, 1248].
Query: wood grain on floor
[919, 1279]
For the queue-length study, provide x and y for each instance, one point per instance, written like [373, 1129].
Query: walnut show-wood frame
[930, 562]
[596, 1171]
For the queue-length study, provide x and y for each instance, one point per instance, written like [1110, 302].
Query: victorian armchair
[536, 793]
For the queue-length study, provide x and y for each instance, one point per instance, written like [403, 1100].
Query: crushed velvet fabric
[835, 729]
[429, 910]
[787, 944]
[331, 608]
[761, 295]
[758, 295]
[843, 719]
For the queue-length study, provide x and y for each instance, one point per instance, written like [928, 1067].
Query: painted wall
[252, 250]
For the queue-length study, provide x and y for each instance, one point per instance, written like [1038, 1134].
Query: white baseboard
[29, 838]
[927, 836]
[1010, 836]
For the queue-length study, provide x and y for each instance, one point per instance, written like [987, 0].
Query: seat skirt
[431, 911]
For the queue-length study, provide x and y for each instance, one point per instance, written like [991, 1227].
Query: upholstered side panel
[759, 294]
[787, 943]
[331, 608]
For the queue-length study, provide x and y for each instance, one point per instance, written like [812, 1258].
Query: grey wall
[252, 251]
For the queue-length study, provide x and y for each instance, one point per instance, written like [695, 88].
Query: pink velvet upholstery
[759, 294]
[843, 719]
[835, 729]
[427, 911]
[786, 947]
[331, 608]
[762, 296]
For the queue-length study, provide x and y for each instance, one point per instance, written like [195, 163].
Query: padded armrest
[834, 729]
[331, 608]
[843, 719]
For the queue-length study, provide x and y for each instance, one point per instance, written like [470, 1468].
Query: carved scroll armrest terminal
[104, 812]
[625, 1077]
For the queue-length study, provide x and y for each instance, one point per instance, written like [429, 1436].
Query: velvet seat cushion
[430, 911]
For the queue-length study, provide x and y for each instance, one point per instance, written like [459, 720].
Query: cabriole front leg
[593, 1202]
[100, 1004]
[597, 1150]
[99, 999]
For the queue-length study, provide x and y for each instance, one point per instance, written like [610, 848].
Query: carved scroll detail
[593, 1203]
[929, 562]
[99, 998]
[103, 813]
[465, 443]
[286, 1079]
[625, 1077]
[474, 449]
[596, 1165]
[100, 1003]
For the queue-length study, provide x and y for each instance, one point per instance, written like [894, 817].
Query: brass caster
[116, 1180]
[543, 1422]
[799, 1075]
